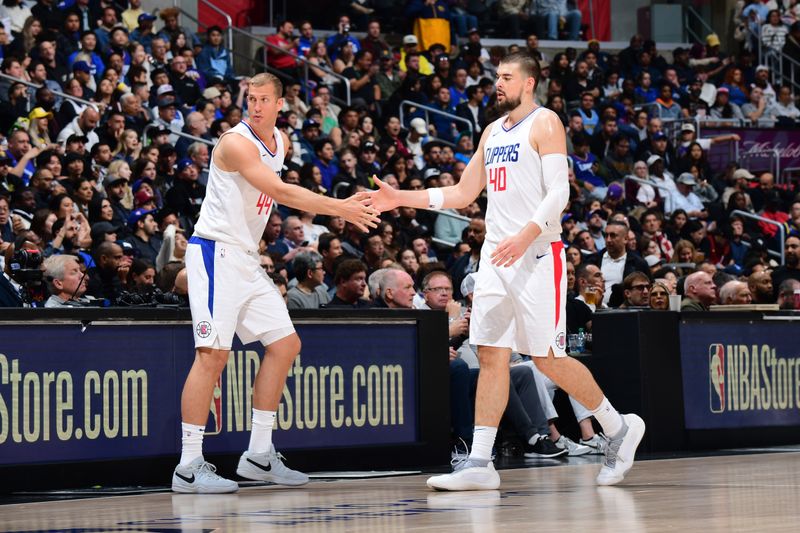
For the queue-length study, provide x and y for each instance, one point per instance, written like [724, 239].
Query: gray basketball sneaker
[200, 477]
[269, 467]
[467, 475]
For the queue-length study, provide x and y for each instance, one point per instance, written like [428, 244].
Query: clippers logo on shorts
[561, 341]
[203, 329]
[215, 420]
[716, 377]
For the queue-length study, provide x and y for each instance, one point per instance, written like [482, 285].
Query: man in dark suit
[474, 111]
[615, 261]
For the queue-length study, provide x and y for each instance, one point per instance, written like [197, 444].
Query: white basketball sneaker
[620, 451]
[467, 475]
[200, 477]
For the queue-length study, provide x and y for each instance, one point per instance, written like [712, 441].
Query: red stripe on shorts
[557, 248]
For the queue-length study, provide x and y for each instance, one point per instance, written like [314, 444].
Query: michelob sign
[740, 374]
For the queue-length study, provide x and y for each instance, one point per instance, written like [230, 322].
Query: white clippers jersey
[234, 211]
[514, 181]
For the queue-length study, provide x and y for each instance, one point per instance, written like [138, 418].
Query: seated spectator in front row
[65, 281]
[735, 293]
[310, 291]
[351, 280]
[636, 289]
[397, 289]
[107, 277]
[787, 294]
[699, 292]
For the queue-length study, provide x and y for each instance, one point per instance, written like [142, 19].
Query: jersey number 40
[497, 178]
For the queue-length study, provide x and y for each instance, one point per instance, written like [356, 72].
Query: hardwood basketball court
[747, 493]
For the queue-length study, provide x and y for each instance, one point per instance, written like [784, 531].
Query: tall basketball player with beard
[519, 299]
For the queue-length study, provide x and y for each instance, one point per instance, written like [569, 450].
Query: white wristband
[435, 198]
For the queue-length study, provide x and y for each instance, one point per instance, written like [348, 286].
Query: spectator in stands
[396, 290]
[310, 291]
[615, 261]
[330, 247]
[555, 13]
[351, 281]
[21, 155]
[83, 125]
[791, 269]
[789, 294]
[667, 108]
[144, 236]
[473, 110]
[659, 296]
[761, 287]
[107, 276]
[699, 292]
[739, 184]
[684, 198]
[65, 280]
[735, 293]
[636, 290]
[723, 108]
[784, 109]
[774, 31]
[214, 60]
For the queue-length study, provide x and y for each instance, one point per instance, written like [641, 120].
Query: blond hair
[265, 78]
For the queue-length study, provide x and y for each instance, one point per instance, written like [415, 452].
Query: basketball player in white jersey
[230, 293]
[521, 286]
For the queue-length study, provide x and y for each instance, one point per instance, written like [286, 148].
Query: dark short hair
[347, 269]
[324, 242]
[527, 63]
[632, 278]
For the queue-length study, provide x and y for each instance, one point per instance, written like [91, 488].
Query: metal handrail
[57, 93]
[647, 182]
[429, 109]
[227, 17]
[302, 59]
[178, 133]
[690, 10]
[781, 230]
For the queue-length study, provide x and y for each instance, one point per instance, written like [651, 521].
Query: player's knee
[213, 360]
[288, 347]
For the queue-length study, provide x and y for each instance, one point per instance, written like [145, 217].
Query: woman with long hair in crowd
[42, 224]
[345, 59]
[694, 155]
[556, 104]
[82, 196]
[311, 178]
[100, 210]
[559, 68]
[104, 97]
[685, 252]
[318, 57]
[38, 127]
[676, 222]
[659, 297]
[737, 88]
[129, 149]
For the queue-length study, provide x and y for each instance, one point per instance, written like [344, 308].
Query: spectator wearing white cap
[738, 183]
[762, 80]
[417, 136]
[685, 199]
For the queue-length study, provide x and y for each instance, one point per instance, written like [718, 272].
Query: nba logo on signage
[215, 420]
[716, 377]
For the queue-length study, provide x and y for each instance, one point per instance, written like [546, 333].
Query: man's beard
[509, 104]
[792, 260]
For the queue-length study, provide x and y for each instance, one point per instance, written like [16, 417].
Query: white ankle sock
[482, 442]
[191, 442]
[534, 439]
[261, 434]
[608, 417]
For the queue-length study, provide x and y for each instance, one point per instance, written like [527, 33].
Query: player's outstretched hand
[359, 211]
[511, 249]
[385, 198]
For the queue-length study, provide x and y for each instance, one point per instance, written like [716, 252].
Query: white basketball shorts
[230, 293]
[522, 307]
